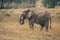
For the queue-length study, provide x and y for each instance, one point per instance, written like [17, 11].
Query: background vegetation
[8, 4]
[16, 4]
[51, 3]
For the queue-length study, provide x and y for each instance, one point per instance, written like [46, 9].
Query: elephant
[43, 19]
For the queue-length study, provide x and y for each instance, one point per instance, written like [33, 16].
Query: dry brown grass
[11, 29]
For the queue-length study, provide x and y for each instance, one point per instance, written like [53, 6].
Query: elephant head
[25, 15]
[22, 17]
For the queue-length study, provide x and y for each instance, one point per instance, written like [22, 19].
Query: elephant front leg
[31, 23]
[41, 27]
[31, 26]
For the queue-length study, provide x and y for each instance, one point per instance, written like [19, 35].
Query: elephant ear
[30, 14]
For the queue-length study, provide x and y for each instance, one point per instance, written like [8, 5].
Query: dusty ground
[11, 29]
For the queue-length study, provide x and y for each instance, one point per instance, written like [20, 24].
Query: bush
[50, 3]
[58, 2]
[7, 14]
[8, 4]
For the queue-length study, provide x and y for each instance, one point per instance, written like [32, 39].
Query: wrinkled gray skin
[41, 20]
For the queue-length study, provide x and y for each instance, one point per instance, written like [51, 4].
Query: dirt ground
[11, 29]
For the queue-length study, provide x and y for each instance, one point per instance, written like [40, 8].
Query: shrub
[50, 3]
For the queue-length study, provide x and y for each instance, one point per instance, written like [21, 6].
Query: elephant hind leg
[47, 26]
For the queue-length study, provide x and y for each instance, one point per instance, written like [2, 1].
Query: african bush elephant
[42, 19]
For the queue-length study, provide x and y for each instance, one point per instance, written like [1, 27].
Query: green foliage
[50, 3]
[26, 5]
[8, 4]
[58, 4]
